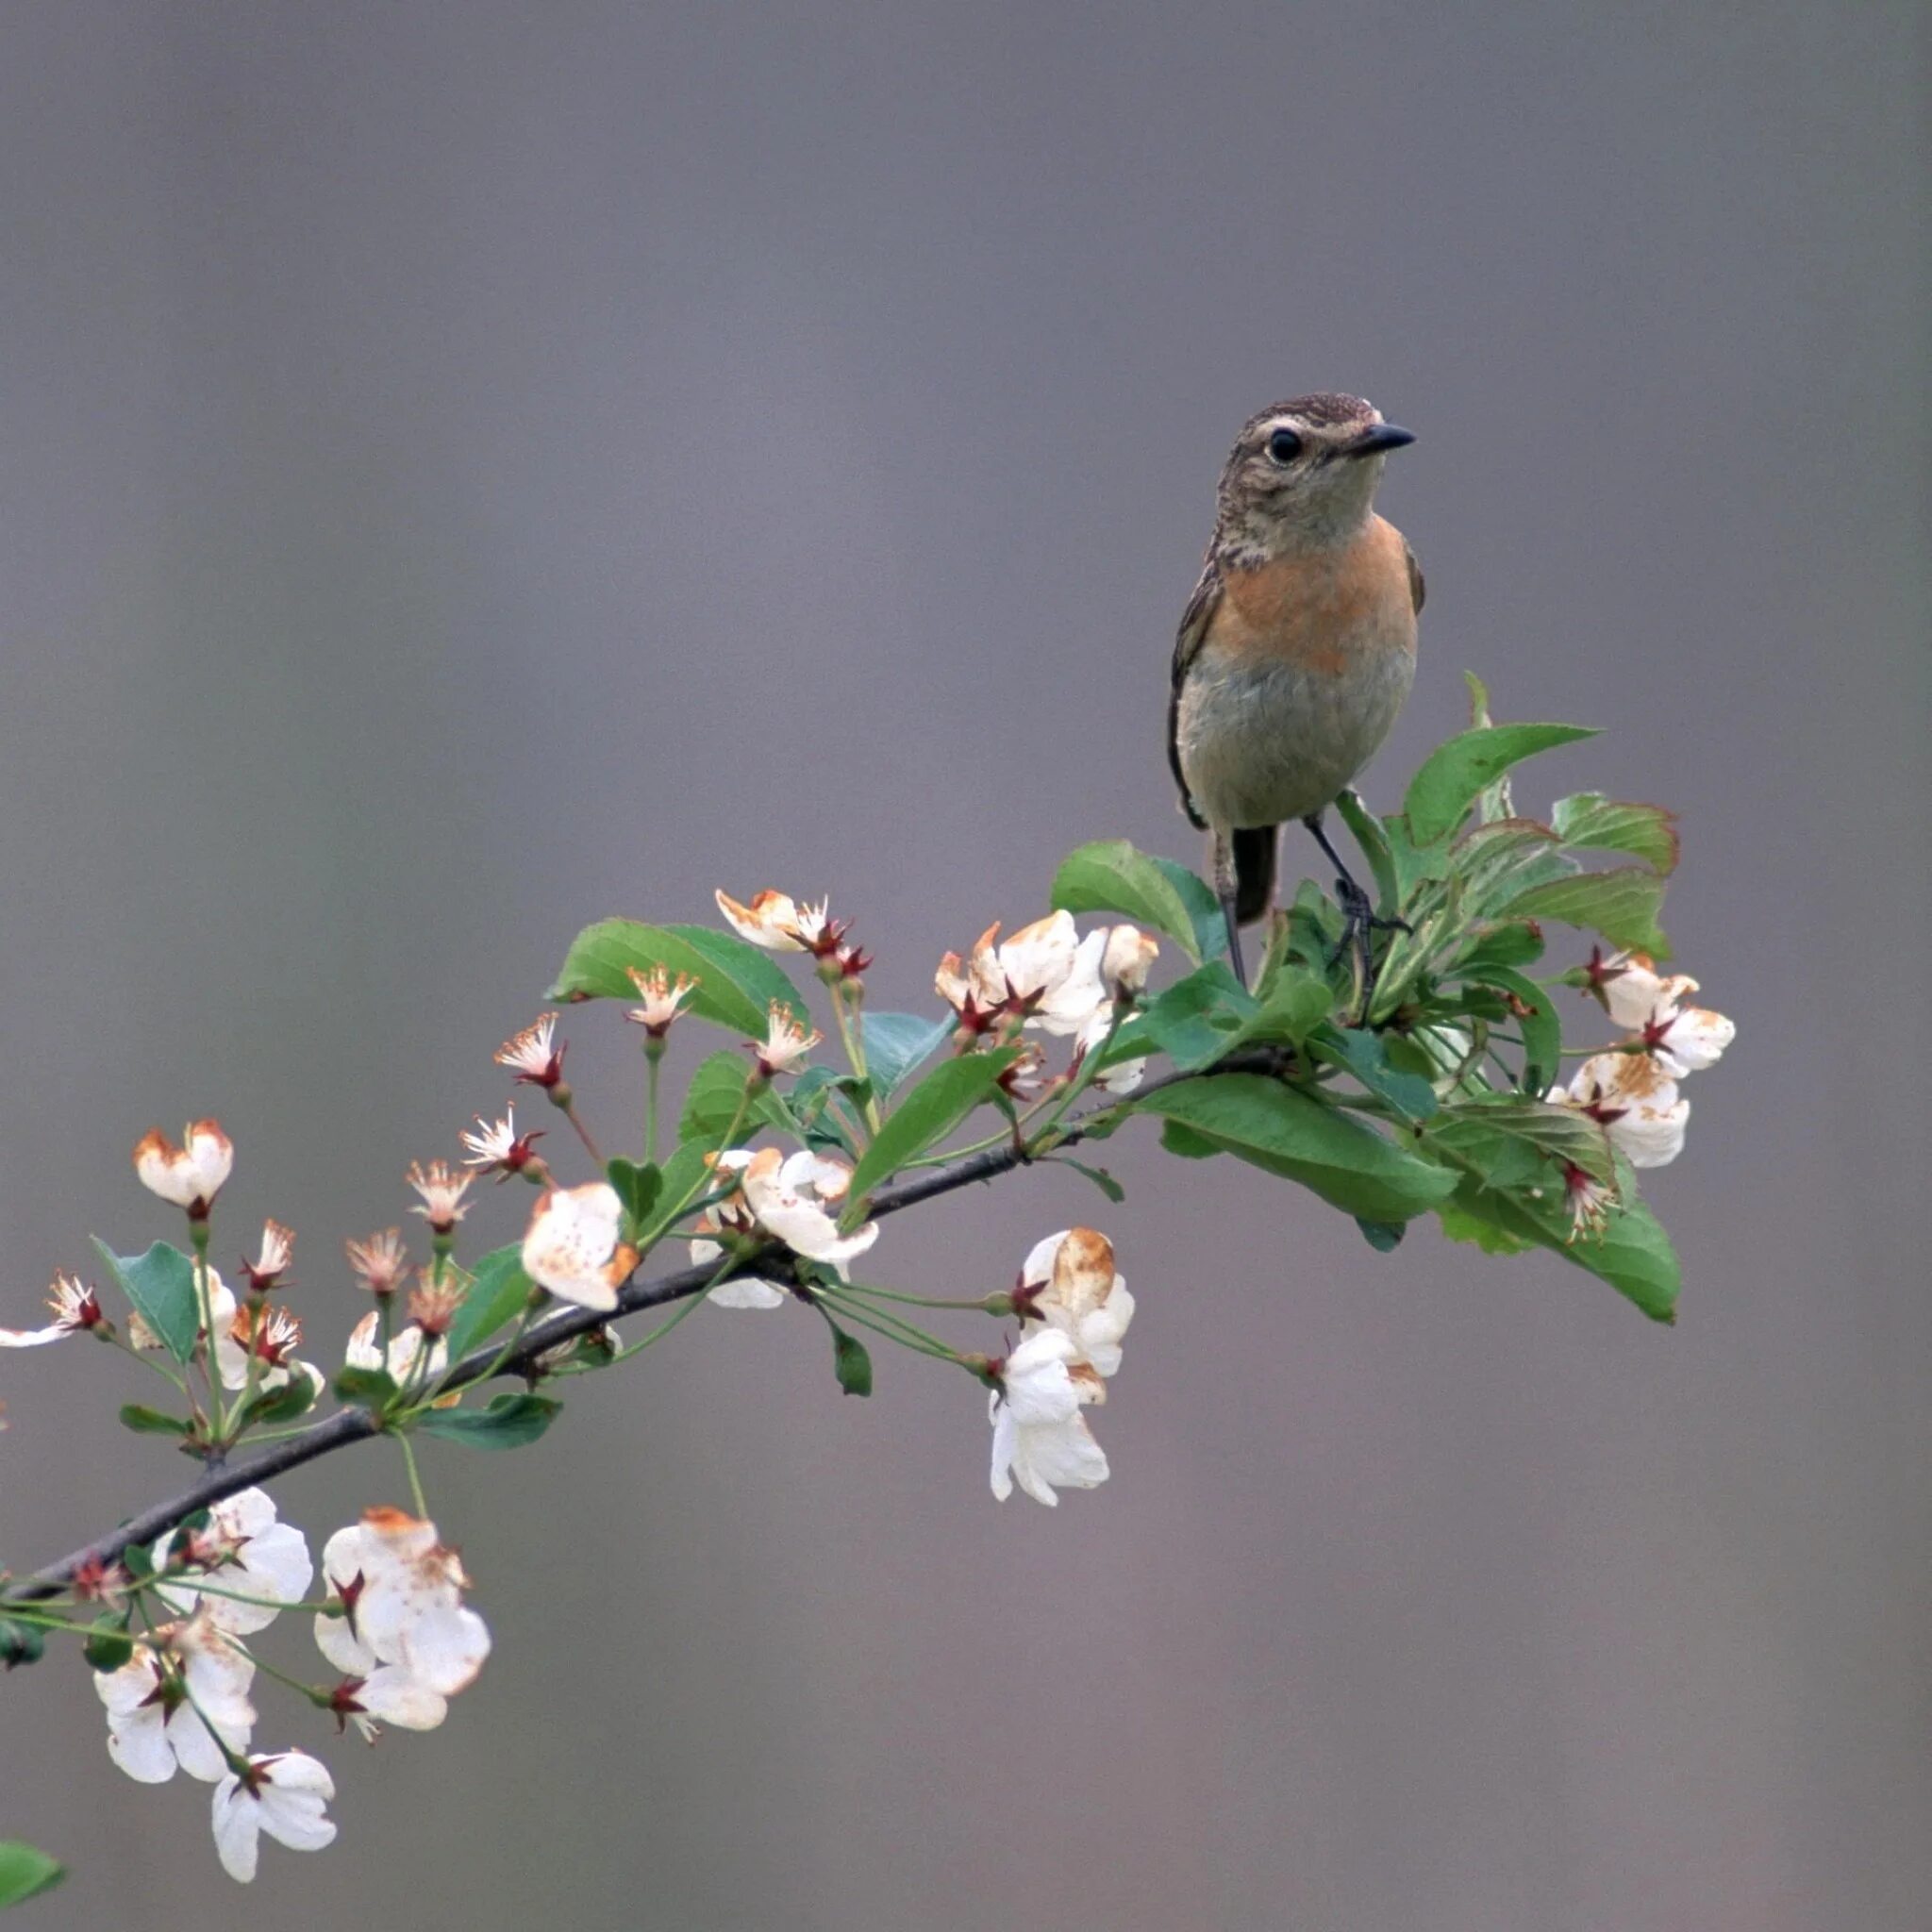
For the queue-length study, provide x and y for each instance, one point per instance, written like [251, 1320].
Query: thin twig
[357, 1426]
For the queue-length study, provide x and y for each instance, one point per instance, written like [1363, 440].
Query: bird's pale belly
[1266, 739]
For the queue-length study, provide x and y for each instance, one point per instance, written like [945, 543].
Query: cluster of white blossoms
[1047, 977]
[1631, 1089]
[1074, 1311]
[394, 1624]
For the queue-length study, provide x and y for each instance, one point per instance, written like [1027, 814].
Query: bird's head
[1304, 473]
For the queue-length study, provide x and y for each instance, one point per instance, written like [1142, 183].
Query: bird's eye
[1283, 448]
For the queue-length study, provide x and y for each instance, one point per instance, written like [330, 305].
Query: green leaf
[1494, 864]
[509, 1422]
[1460, 1225]
[24, 1871]
[1371, 835]
[1294, 1003]
[895, 1043]
[1633, 1253]
[1279, 1128]
[1196, 1020]
[1622, 905]
[499, 1292]
[927, 1114]
[20, 1644]
[1443, 791]
[1498, 1136]
[1534, 1013]
[145, 1420]
[687, 1178]
[293, 1400]
[161, 1284]
[108, 1645]
[1364, 1056]
[1384, 1237]
[850, 1362]
[1098, 1176]
[1611, 824]
[1110, 875]
[1516, 942]
[367, 1388]
[737, 983]
[712, 1101]
[635, 1184]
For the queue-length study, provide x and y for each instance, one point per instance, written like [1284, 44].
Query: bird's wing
[1187, 644]
[1417, 588]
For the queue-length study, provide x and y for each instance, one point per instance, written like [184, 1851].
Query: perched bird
[1296, 649]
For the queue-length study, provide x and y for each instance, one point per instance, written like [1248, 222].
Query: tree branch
[357, 1426]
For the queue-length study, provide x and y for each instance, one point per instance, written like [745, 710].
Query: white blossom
[663, 998]
[75, 1306]
[284, 1795]
[1069, 1283]
[365, 1350]
[241, 1548]
[153, 1723]
[789, 1198]
[406, 1642]
[192, 1174]
[774, 921]
[786, 1041]
[1039, 1438]
[534, 1056]
[572, 1245]
[1635, 1101]
[442, 1189]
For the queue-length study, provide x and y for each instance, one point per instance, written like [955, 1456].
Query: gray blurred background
[465, 471]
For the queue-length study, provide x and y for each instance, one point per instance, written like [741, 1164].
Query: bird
[1297, 650]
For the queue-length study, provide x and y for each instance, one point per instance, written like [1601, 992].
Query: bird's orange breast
[1322, 610]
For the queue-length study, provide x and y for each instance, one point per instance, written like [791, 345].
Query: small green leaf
[1098, 1176]
[369, 1389]
[20, 1644]
[1461, 1224]
[1451, 776]
[1363, 1055]
[1622, 905]
[151, 1422]
[1294, 1002]
[1490, 1134]
[1198, 1019]
[161, 1284]
[1373, 837]
[1110, 875]
[509, 1422]
[109, 1645]
[498, 1293]
[288, 1404]
[926, 1115]
[1633, 1253]
[1516, 942]
[1610, 824]
[895, 1043]
[687, 1178]
[1384, 1237]
[850, 1362]
[1494, 864]
[716, 1095]
[1533, 1011]
[1277, 1128]
[25, 1872]
[737, 983]
[635, 1184]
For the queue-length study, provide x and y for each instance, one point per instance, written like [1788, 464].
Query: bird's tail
[1254, 871]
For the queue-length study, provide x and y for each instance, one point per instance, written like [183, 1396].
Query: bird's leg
[1225, 891]
[1360, 922]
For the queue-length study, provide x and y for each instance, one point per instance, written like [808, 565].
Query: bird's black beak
[1383, 437]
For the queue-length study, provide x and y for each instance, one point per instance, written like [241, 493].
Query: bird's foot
[1360, 921]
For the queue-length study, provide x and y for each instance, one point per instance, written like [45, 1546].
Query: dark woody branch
[356, 1424]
